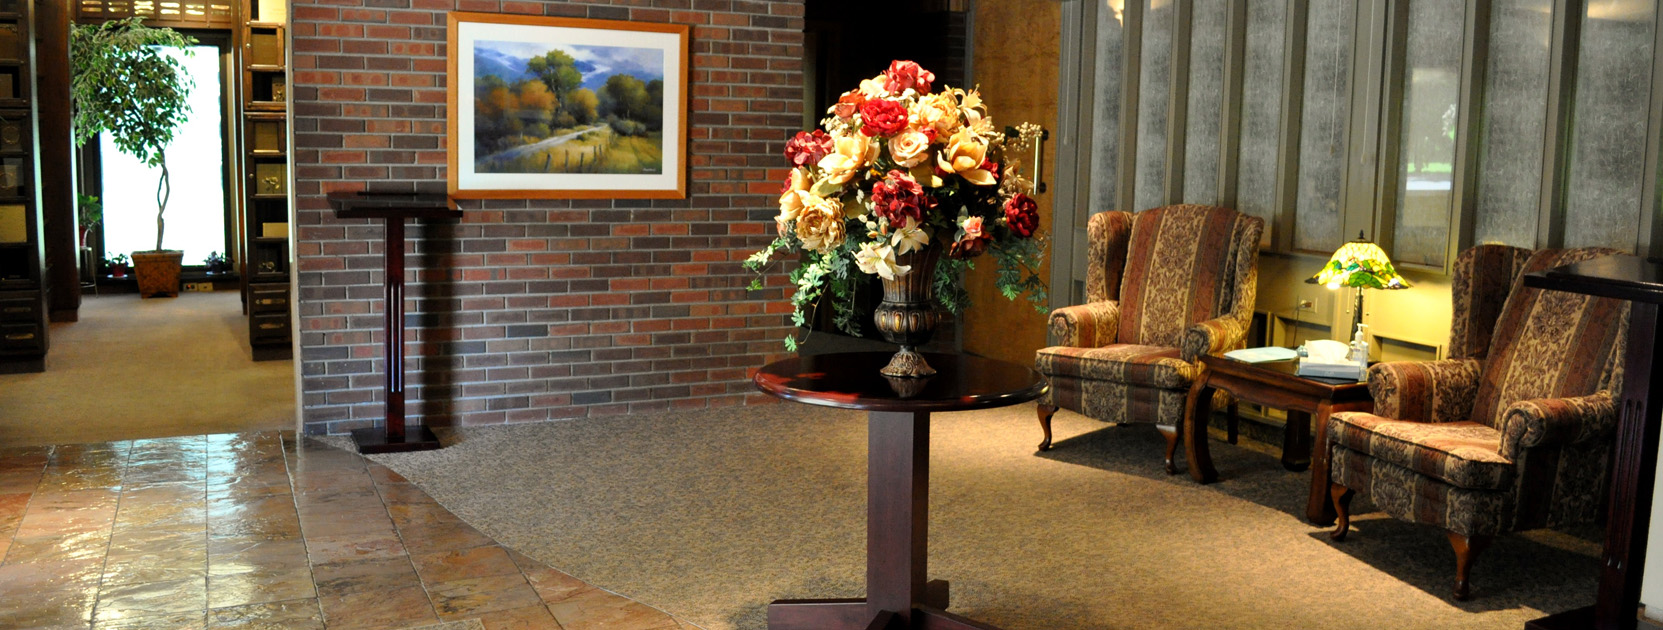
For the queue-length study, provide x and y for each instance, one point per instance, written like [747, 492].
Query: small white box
[1325, 369]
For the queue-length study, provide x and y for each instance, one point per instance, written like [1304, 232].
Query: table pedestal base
[899, 596]
[375, 440]
[855, 614]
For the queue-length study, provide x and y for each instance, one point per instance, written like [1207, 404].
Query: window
[1430, 125]
[195, 217]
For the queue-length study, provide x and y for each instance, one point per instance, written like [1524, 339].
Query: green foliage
[122, 83]
[627, 96]
[583, 105]
[558, 70]
[88, 211]
[1018, 272]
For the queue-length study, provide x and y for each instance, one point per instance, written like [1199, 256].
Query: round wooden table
[899, 593]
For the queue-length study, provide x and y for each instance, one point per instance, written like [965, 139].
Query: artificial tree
[121, 82]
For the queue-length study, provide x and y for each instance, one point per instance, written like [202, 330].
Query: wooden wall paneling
[57, 194]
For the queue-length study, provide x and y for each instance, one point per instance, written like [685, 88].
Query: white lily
[878, 258]
[910, 238]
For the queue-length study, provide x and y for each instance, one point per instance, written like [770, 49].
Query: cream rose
[937, 111]
[820, 226]
[854, 152]
[909, 148]
[873, 87]
[964, 155]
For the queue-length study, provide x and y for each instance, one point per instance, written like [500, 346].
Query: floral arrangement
[894, 168]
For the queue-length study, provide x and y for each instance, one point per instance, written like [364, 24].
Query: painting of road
[544, 107]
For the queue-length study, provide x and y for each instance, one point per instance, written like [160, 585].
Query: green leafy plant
[123, 83]
[216, 263]
[89, 213]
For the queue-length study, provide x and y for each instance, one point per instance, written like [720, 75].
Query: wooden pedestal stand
[393, 209]
[1634, 460]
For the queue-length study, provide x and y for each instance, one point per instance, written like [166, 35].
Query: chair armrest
[1424, 391]
[1092, 325]
[1213, 336]
[1549, 421]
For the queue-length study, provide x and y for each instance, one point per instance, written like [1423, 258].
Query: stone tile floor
[262, 531]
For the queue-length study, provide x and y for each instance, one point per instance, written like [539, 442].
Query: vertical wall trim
[1178, 98]
[1651, 225]
[1563, 51]
[1394, 72]
[1293, 110]
[1229, 129]
[1076, 92]
[1131, 63]
[1475, 62]
[1362, 138]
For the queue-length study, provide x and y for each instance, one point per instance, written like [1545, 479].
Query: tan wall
[1015, 62]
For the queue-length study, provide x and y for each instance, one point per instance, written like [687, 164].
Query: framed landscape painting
[557, 107]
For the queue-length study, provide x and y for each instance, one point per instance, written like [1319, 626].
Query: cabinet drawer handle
[17, 309]
[20, 336]
[270, 326]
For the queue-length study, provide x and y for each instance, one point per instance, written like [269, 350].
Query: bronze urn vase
[907, 316]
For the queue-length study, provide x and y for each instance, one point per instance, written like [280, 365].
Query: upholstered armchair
[1513, 432]
[1163, 287]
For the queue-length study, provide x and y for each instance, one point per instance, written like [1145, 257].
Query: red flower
[899, 197]
[882, 117]
[849, 103]
[907, 74]
[1022, 215]
[807, 148]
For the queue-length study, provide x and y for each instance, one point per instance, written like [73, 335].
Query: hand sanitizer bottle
[1360, 352]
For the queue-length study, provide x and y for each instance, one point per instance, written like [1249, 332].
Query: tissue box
[1325, 369]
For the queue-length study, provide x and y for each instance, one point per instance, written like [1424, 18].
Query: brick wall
[535, 309]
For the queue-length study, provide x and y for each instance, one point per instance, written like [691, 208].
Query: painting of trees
[576, 109]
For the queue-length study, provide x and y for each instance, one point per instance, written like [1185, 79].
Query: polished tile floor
[263, 531]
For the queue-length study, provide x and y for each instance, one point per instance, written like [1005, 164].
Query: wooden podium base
[374, 440]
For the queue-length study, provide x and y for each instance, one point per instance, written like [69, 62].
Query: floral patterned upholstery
[1163, 287]
[1513, 434]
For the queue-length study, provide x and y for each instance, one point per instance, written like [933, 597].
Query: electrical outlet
[1306, 305]
[200, 287]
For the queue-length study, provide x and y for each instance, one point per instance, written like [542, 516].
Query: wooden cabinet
[265, 186]
[23, 331]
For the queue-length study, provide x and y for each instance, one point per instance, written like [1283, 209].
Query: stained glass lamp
[1360, 265]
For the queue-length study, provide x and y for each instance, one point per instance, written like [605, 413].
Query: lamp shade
[1359, 264]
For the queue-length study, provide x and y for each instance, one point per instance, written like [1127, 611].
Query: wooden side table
[899, 593]
[1275, 385]
[393, 209]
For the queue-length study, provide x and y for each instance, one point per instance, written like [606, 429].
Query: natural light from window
[196, 211]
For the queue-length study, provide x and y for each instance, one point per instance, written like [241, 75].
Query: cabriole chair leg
[1342, 510]
[1045, 413]
[1467, 549]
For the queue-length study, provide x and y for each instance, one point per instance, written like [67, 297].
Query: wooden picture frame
[542, 107]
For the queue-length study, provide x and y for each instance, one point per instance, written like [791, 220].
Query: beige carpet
[710, 515]
[136, 368]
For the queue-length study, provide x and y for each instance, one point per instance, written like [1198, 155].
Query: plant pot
[907, 315]
[158, 272]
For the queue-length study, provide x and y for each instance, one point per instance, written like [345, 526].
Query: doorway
[199, 209]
